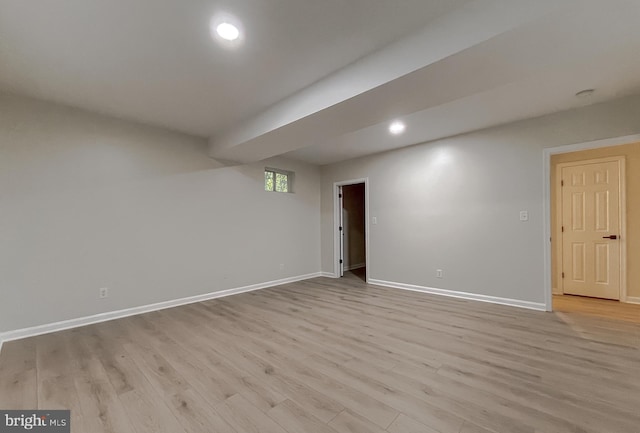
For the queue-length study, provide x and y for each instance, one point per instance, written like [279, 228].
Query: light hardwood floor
[329, 355]
[603, 308]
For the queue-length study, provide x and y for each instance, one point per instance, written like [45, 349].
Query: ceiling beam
[320, 111]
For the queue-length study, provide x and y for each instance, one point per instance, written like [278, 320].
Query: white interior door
[591, 228]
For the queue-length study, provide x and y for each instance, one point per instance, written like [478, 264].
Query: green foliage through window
[276, 180]
[268, 180]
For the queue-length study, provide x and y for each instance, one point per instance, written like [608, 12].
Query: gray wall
[88, 201]
[454, 204]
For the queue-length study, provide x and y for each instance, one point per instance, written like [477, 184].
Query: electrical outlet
[103, 292]
[281, 266]
[438, 273]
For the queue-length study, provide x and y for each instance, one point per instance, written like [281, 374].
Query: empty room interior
[288, 216]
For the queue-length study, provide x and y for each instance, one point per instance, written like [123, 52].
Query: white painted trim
[336, 219]
[104, 317]
[341, 232]
[633, 300]
[353, 267]
[539, 306]
[558, 232]
[1, 341]
[546, 203]
[328, 275]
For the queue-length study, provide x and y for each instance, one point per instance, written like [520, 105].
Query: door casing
[337, 212]
[546, 202]
[341, 230]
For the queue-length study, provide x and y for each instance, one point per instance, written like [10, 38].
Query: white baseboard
[328, 275]
[103, 317]
[354, 267]
[539, 306]
[633, 300]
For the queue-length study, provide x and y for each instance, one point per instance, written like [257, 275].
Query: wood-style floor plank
[333, 356]
[18, 375]
[294, 418]
[602, 308]
[404, 424]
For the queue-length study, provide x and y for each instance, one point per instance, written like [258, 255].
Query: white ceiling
[154, 61]
[530, 71]
[319, 81]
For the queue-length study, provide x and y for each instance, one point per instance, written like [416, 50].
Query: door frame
[621, 160]
[336, 224]
[546, 202]
[341, 231]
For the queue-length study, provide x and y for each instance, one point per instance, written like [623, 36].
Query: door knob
[610, 237]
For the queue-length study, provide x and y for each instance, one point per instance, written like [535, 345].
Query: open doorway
[352, 229]
[593, 230]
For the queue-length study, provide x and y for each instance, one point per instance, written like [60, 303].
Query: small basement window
[277, 180]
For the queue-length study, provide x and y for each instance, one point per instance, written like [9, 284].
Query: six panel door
[591, 214]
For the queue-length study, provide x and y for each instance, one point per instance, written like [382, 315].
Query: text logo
[37, 421]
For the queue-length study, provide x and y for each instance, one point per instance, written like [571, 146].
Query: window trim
[275, 171]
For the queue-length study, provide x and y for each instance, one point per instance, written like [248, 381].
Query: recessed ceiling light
[585, 93]
[228, 31]
[397, 128]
